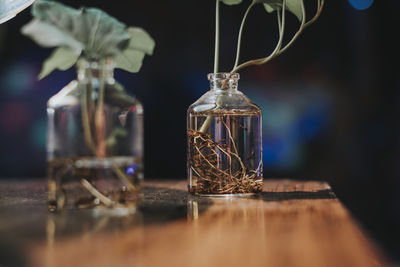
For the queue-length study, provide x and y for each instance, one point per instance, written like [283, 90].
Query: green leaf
[47, 35]
[62, 58]
[105, 35]
[130, 60]
[141, 43]
[294, 6]
[141, 40]
[61, 23]
[100, 34]
[231, 2]
[88, 32]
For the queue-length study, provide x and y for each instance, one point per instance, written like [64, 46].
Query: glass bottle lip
[103, 63]
[223, 76]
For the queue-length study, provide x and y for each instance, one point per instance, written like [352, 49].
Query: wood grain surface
[290, 224]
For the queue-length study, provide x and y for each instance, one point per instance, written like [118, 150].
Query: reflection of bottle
[88, 226]
[95, 142]
[224, 140]
[192, 209]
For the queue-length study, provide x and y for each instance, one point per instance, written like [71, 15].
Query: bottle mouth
[223, 76]
[224, 81]
[105, 63]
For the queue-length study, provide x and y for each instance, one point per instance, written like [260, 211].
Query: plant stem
[302, 26]
[216, 56]
[320, 5]
[86, 120]
[124, 178]
[278, 15]
[277, 52]
[207, 122]
[240, 34]
[100, 121]
[96, 193]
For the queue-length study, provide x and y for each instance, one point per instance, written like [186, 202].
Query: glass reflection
[85, 227]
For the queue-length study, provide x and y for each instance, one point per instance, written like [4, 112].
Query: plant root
[211, 174]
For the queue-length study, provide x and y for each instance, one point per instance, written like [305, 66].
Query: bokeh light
[14, 116]
[38, 133]
[361, 4]
[18, 78]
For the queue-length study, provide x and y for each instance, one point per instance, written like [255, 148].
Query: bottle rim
[223, 76]
[104, 63]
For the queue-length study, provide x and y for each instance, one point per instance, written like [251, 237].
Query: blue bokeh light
[130, 170]
[361, 4]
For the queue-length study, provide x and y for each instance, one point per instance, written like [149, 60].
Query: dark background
[330, 103]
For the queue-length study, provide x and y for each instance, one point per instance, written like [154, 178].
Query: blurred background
[330, 103]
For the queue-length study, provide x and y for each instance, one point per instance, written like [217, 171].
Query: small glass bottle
[224, 141]
[95, 142]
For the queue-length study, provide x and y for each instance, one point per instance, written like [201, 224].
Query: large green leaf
[294, 6]
[62, 58]
[100, 34]
[87, 32]
[231, 2]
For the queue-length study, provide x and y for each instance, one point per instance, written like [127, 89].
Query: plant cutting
[95, 129]
[224, 126]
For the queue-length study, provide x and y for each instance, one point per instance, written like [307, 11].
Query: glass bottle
[95, 142]
[224, 141]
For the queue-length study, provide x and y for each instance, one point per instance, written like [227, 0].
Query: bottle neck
[223, 81]
[102, 69]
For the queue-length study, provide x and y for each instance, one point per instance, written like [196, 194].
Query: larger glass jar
[224, 141]
[95, 142]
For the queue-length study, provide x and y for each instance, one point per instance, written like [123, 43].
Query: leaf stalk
[240, 34]
[281, 25]
[216, 56]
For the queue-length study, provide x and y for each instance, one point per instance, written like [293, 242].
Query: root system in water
[229, 163]
[93, 182]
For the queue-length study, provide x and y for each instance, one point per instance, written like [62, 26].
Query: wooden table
[291, 223]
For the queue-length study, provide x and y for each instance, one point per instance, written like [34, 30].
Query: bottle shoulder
[74, 92]
[231, 102]
[67, 96]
